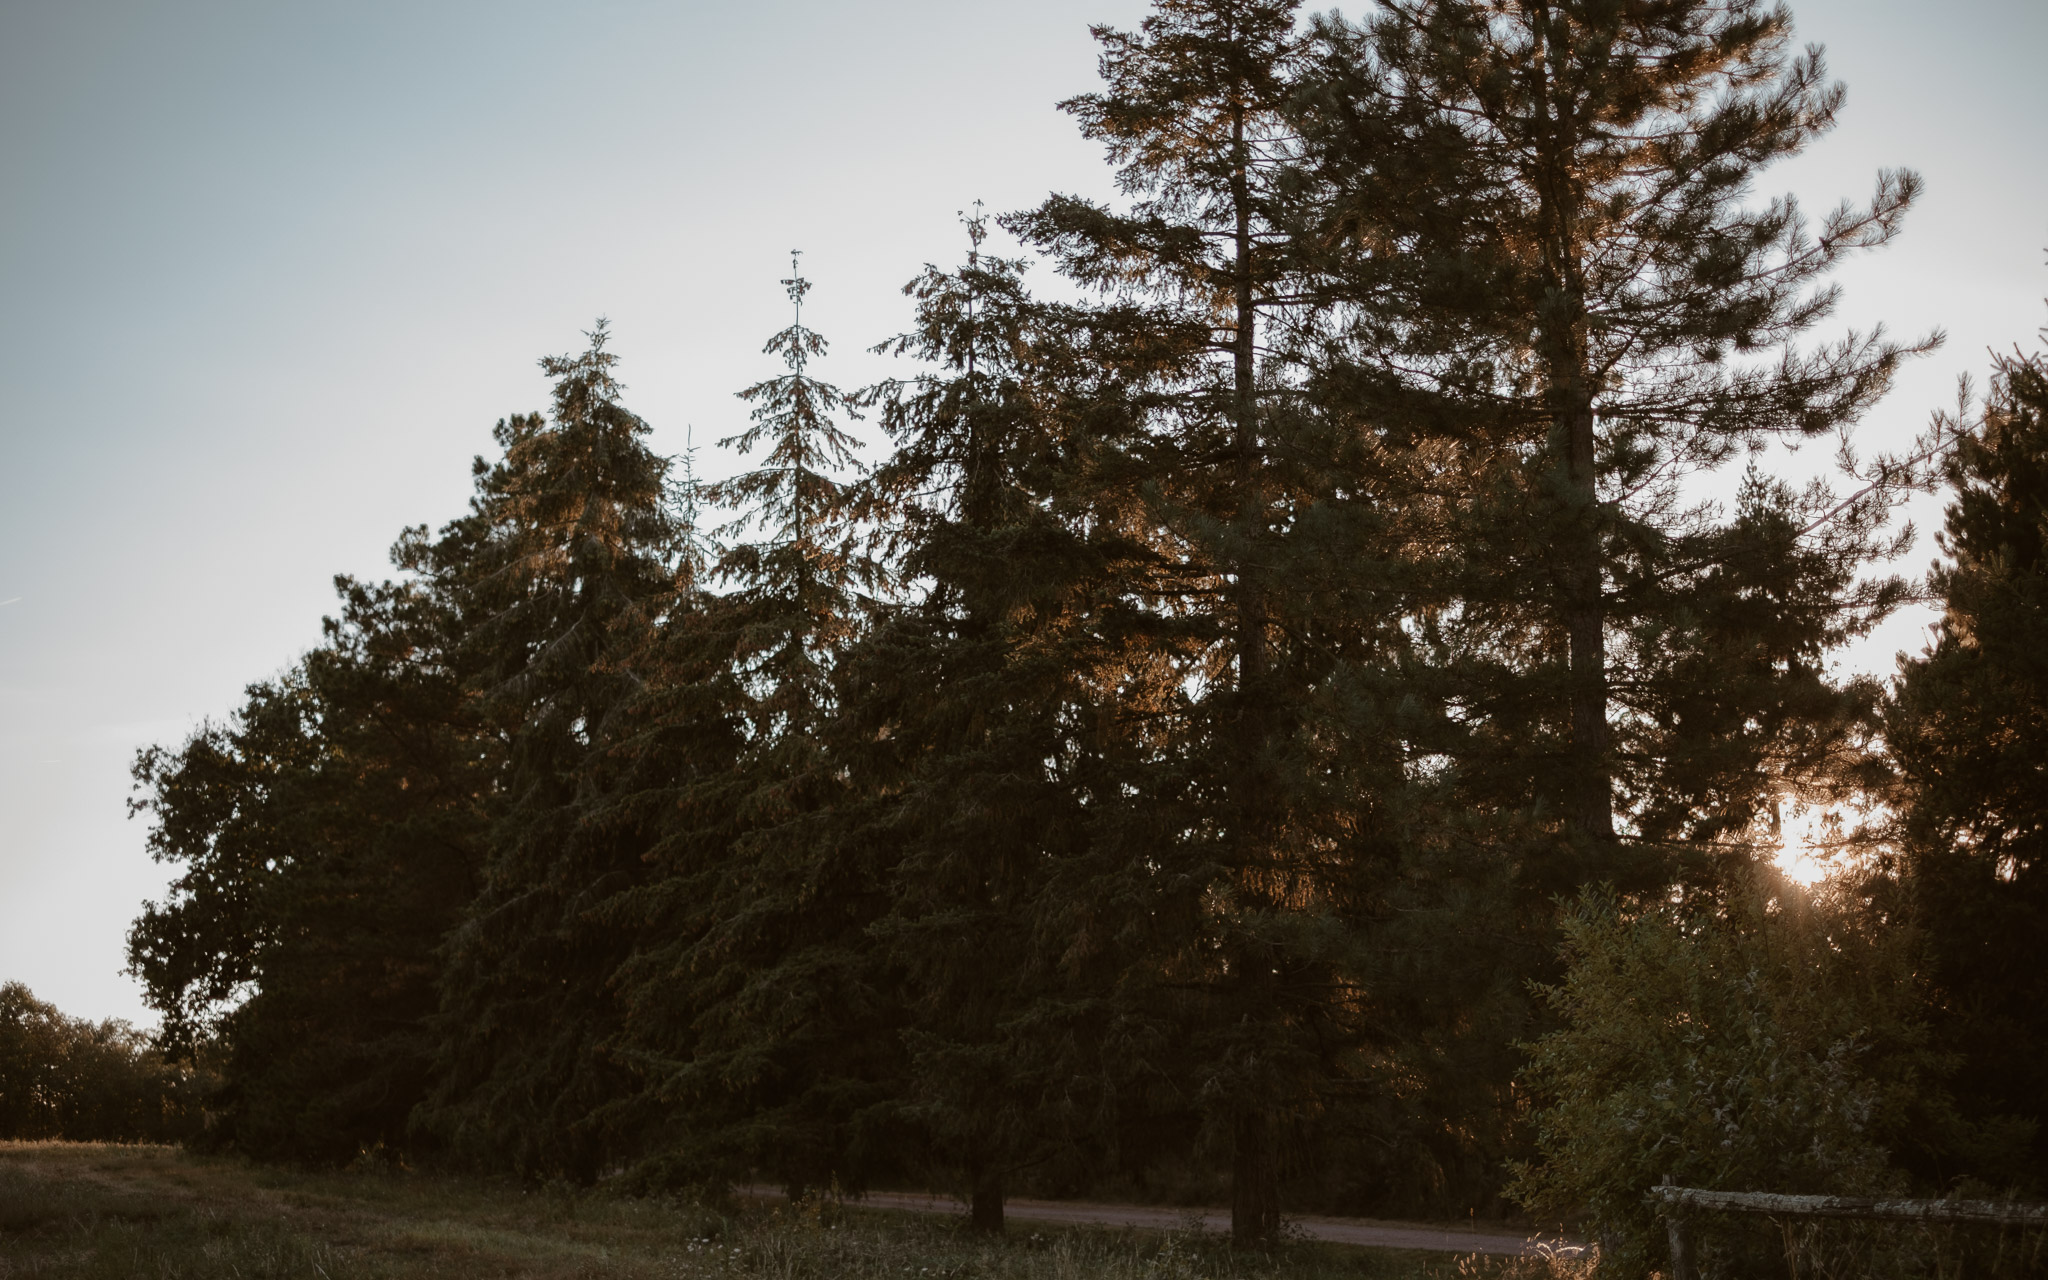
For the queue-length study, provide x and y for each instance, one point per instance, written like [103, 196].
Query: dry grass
[87, 1210]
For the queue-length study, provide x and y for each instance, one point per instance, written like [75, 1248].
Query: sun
[1802, 852]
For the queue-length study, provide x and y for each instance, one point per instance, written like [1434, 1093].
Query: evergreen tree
[565, 568]
[682, 777]
[1260, 854]
[961, 698]
[766, 1027]
[1559, 320]
[1546, 267]
[1968, 728]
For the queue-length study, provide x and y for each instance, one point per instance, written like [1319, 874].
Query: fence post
[1677, 1237]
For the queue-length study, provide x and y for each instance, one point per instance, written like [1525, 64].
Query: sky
[270, 272]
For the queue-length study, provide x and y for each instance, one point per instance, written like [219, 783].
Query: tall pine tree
[763, 1023]
[1546, 262]
[1253, 869]
[566, 566]
[1561, 319]
[1968, 728]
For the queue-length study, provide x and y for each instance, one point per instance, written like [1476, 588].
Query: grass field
[88, 1210]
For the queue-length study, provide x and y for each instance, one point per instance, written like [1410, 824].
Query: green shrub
[1768, 1038]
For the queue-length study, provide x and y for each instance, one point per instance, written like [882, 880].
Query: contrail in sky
[13, 600]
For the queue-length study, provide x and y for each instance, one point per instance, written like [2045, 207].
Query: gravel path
[1358, 1231]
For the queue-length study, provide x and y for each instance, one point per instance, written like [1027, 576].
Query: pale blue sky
[268, 273]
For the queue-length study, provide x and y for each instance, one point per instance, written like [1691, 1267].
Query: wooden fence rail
[1681, 1202]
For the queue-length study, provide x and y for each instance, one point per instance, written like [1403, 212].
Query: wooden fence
[1680, 1203]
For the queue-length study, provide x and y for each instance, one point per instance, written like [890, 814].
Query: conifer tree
[777, 1044]
[960, 695]
[565, 567]
[1968, 727]
[682, 776]
[1202, 327]
[804, 580]
[1548, 266]
[1557, 315]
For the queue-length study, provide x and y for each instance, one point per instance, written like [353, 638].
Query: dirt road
[1360, 1231]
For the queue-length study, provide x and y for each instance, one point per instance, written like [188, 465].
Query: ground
[89, 1210]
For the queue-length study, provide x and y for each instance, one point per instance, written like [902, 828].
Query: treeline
[65, 1077]
[1181, 754]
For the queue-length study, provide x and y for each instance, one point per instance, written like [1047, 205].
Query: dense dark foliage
[563, 570]
[1968, 726]
[1167, 763]
[327, 838]
[63, 1077]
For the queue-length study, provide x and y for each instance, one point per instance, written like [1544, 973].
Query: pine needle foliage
[777, 1049]
[1967, 726]
[1550, 266]
[565, 567]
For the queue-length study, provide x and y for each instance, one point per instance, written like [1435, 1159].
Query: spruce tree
[565, 566]
[682, 776]
[1967, 725]
[774, 1040]
[961, 698]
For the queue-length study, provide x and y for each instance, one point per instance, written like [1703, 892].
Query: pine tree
[1547, 270]
[1261, 852]
[1557, 314]
[960, 697]
[1968, 728]
[766, 1028]
[565, 566]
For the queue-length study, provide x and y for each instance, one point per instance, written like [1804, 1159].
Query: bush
[1767, 1038]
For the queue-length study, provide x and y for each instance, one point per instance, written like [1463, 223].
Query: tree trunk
[1255, 1175]
[985, 1209]
[1585, 618]
[1251, 496]
[1589, 786]
[1254, 1189]
[1254, 1181]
